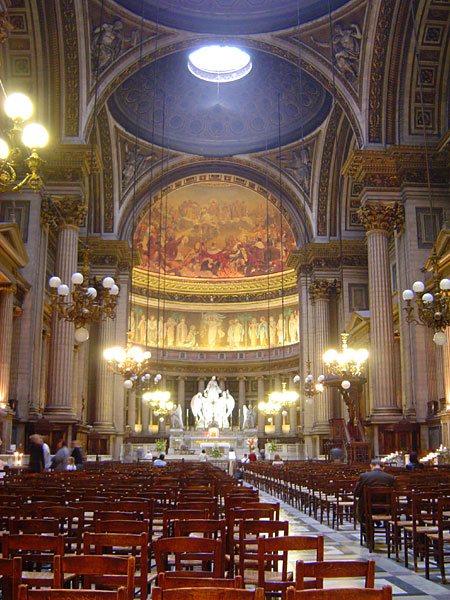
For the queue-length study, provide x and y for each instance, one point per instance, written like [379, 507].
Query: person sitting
[203, 456]
[414, 461]
[277, 462]
[160, 462]
[71, 464]
[376, 477]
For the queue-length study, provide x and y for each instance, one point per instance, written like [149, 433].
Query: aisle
[344, 544]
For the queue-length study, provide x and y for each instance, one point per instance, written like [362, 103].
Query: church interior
[225, 284]
[247, 219]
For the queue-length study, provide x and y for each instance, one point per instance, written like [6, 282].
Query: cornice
[328, 255]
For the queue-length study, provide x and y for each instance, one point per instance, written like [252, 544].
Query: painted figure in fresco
[280, 330]
[253, 332]
[215, 333]
[293, 326]
[133, 324]
[272, 330]
[151, 330]
[170, 331]
[160, 331]
[191, 338]
[141, 329]
[263, 332]
[181, 332]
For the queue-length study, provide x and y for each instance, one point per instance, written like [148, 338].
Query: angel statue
[249, 417]
[176, 418]
[213, 405]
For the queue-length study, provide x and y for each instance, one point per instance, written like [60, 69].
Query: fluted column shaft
[241, 400]
[321, 345]
[182, 398]
[104, 397]
[145, 418]
[131, 417]
[446, 367]
[261, 416]
[59, 400]
[6, 320]
[292, 411]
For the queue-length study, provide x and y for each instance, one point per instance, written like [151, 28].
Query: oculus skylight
[219, 64]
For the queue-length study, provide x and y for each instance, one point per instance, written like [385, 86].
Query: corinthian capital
[323, 289]
[382, 216]
[57, 211]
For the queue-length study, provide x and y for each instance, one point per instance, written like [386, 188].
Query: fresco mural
[214, 330]
[213, 232]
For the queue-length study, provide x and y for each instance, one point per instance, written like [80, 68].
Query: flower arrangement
[251, 444]
[161, 445]
[215, 452]
[273, 446]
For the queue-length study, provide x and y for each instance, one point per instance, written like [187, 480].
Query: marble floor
[344, 544]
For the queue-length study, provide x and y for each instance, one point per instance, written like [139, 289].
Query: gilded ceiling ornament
[323, 289]
[57, 211]
[382, 216]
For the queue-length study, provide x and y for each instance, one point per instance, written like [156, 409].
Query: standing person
[77, 455]
[414, 461]
[252, 456]
[47, 455]
[36, 463]
[59, 462]
[375, 477]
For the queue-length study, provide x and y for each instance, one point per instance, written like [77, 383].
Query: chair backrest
[131, 544]
[188, 549]
[11, 573]
[170, 514]
[175, 580]
[63, 594]
[341, 594]
[107, 571]
[318, 571]
[50, 526]
[201, 593]
[110, 526]
[33, 548]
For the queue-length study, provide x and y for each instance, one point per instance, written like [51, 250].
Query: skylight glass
[219, 63]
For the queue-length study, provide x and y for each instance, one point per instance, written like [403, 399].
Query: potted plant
[272, 447]
[161, 445]
[215, 452]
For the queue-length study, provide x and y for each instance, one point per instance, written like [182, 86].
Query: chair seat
[435, 536]
[38, 578]
[381, 517]
[422, 529]
[251, 577]
[401, 523]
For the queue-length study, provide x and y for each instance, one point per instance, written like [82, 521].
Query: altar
[224, 447]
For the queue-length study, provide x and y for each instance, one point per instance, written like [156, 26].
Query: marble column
[201, 385]
[241, 400]
[6, 320]
[261, 416]
[69, 214]
[380, 219]
[278, 417]
[292, 410]
[145, 418]
[131, 417]
[103, 420]
[181, 396]
[321, 292]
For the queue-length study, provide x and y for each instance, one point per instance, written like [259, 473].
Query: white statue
[176, 418]
[213, 406]
[249, 417]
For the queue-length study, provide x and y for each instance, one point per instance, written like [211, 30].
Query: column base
[321, 429]
[385, 414]
[104, 428]
[60, 414]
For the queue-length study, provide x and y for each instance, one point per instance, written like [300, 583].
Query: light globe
[439, 338]
[81, 334]
[345, 384]
[418, 286]
[18, 106]
[54, 282]
[35, 136]
[4, 149]
[108, 282]
[445, 284]
[408, 295]
[127, 384]
[77, 278]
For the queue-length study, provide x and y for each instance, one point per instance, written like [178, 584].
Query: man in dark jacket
[376, 477]
[36, 451]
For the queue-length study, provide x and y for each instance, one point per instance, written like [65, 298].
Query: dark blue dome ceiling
[220, 120]
[231, 16]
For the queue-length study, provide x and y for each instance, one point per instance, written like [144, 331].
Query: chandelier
[349, 363]
[88, 301]
[430, 308]
[160, 402]
[269, 407]
[283, 398]
[132, 363]
[311, 389]
[19, 161]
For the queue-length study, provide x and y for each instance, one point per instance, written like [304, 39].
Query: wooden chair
[49, 526]
[437, 544]
[11, 574]
[64, 594]
[124, 544]
[172, 514]
[378, 502]
[71, 525]
[204, 593]
[190, 552]
[273, 551]
[423, 521]
[206, 528]
[36, 552]
[341, 594]
[173, 580]
[107, 571]
[318, 571]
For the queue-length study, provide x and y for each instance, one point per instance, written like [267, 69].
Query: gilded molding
[380, 47]
[325, 172]
[72, 69]
[59, 211]
[381, 216]
[108, 185]
[328, 255]
[324, 289]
